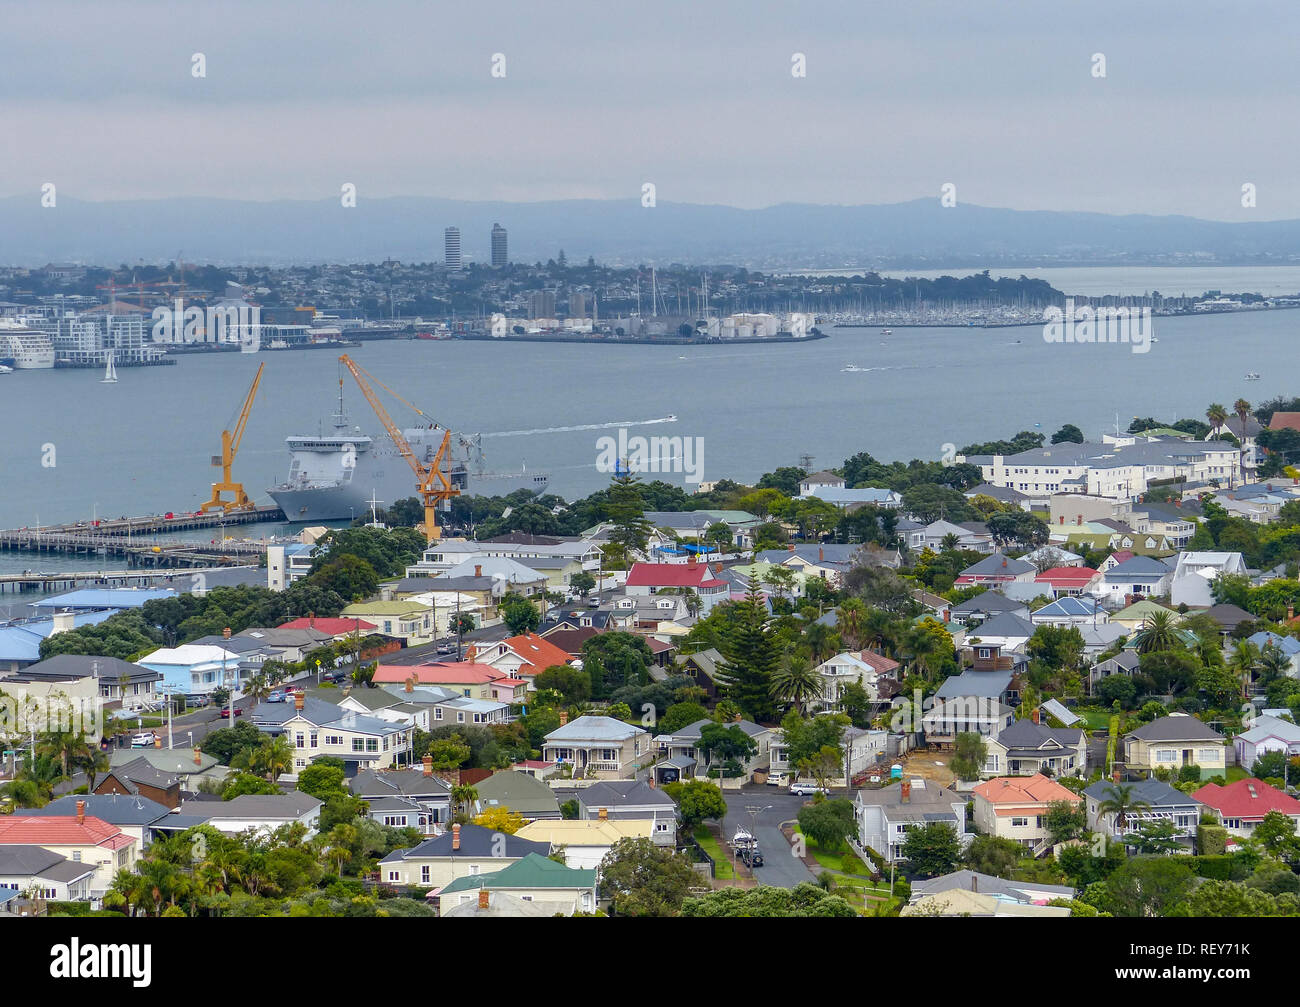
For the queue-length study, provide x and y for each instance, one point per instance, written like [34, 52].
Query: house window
[76, 855]
[358, 744]
[1019, 823]
[298, 740]
[437, 713]
[396, 821]
[460, 716]
[424, 873]
[473, 869]
[394, 875]
[1207, 755]
[1166, 755]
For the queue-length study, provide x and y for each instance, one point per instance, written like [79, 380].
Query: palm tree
[881, 630]
[822, 640]
[797, 683]
[949, 542]
[463, 794]
[1242, 408]
[1216, 414]
[62, 745]
[258, 687]
[1122, 804]
[1273, 664]
[1157, 633]
[339, 843]
[271, 758]
[92, 761]
[920, 646]
[1245, 661]
[850, 617]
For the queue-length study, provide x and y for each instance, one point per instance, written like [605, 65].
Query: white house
[1267, 734]
[192, 669]
[884, 816]
[1195, 575]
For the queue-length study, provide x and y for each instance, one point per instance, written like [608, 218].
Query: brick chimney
[1036, 716]
[478, 569]
[455, 836]
[1004, 561]
[564, 717]
[905, 792]
[471, 652]
[790, 547]
[692, 559]
[428, 765]
[225, 633]
[1078, 519]
[198, 757]
[821, 554]
[974, 882]
[81, 812]
[604, 814]
[1114, 776]
[483, 897]
[299, 701]
[410, 684]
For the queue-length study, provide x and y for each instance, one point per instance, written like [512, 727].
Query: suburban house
[1196, 572]
[683, 742]
[1175, 522]
[262, 813]
[997, 570]
[1135, 616]
[470, 678]
[521, 793]
[1266, 734]
[188, 766]
[1007, 632]
[974, 611]
[137, 778]
[1289, 646]
[1066, 581]
[319, 728]
[134, 815]
[1173, 742]
[884, 816]
[703, 667]
[1024, 893]
[408, 621]
[620, 800]
[534, 877]
[825, 560]
[974, 701]
[119, 684]
[877, 674]
[413, 798]
[461, 851]
[1139, 577]
[1241, 806]
[1126, 662]
[963, 903]
[1029, 748]
[585, 841]
[525, 656]
[337, 629]
[670, 578]
[43, 874]
[1069, 611]
[193, 669]
[599, 747]
[1015, 807]
[81, 838]
[1154, 801]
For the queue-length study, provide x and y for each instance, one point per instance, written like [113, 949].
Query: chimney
[483, 897]
[717, 568]
[225, 633]
[410, 684]
[299, 701]
[1036, 716]
[81, 812]
[905, 792]
[692, 559]
[1004, 561]
[428, 765]
[1078, 519]
[564, 717]
[63, 621]
[604, 814]
[974, 882]
[455, 836]
[790, 547]
[478, 569]
[198, 757]
[469, 653]
[736, 718]
[821, 554]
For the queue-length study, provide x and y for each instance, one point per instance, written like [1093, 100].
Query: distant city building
[541, 304]
[577, 305]
[500, 253]
[451, 247]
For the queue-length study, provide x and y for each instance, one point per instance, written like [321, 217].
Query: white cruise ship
[28, 349]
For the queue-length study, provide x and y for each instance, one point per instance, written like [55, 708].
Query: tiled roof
[1022, 790]
[668, 575]
[60, 830]
[334, 627]
[1248, 798]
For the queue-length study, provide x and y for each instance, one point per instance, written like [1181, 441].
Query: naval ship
[336, 476]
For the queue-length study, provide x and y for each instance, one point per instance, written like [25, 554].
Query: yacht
[1252, 376]
[110, 371]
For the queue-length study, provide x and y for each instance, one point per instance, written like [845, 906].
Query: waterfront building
[451, 247]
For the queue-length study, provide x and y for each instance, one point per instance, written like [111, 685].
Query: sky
[997, 98]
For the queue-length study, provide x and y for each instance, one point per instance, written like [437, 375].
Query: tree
[501, 819]
[351, 577]
[574, 684]
[519, 614]
[679, 715]
[750, 659]
[271, 758]
[970, 755]
[1148, 887]
[828, 824]
[1119, 800]
[240, 784]
[625, 510]
[697, 800]
[644, 879]
[583, 583]
[1069, 433]
[1157, 633]
[824, 765]
[1065, 820]
[797, 683]
[321, 782]
[1276, 836]
[991, 855]
[725, 743]
[931, 850]
[1154, 837]
[463, 795]
[804, 900]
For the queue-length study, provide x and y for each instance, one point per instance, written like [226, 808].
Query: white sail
[110, 371]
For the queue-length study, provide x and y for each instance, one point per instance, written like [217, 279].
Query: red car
[225, 712]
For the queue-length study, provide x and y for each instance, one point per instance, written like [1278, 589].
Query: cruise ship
[25, 349]
[334, 477]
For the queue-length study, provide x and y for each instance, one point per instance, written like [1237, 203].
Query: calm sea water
[143, 445]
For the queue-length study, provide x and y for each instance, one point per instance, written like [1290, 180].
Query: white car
[776, 779]
[807, 789]
[144, 739]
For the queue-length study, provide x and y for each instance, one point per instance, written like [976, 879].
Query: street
[772, 806]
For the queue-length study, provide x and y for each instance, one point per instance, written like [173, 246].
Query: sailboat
[110, 371]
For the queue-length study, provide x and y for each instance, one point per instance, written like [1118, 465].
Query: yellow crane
[431, 481]
[229, 448]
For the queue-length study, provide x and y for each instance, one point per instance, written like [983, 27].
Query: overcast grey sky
[900, 97]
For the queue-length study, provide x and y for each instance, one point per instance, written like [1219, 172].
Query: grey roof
[72, 667]
[1176, 727]
[589, 728]
[1149, 791]
[1125, 660]
[985, 884]
[1137, 566]
[521, 792]
[928, 794]
[139, 772]
[397, 782]
[1006, 624]
[290, 805]
[997, 564]
[1228, 615]
[981, 684]
[22, 859]
[691, 732]
[991, 602]
[476, 843]
[622, 793]
[1026, 735]
[116, 809]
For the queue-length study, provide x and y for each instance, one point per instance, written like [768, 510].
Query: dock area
[144, 541]
[70, 580]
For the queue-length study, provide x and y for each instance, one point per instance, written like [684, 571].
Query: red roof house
[1242, 805]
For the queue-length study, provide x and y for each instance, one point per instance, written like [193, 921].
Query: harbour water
[73, 447]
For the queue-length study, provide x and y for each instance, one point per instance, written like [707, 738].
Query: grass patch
[1094, 718]
[722, 869]
[1236, 773]
[834, 860]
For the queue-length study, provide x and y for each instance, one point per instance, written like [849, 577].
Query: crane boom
[431, 481]
[229, 448]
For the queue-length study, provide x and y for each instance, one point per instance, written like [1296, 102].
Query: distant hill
[917, 234]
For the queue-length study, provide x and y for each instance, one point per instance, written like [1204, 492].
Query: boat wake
[614, 424]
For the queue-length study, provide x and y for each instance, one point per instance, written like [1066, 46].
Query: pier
[142, 541]
[70, 580]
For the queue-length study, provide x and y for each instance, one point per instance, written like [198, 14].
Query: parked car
[279, 696]
[446, 648]
[776, 779]
[144, 739]
[225, 713]
[807, 789]
[751, 857]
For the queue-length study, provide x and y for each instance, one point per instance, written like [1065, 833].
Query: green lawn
[722, 869]
[1095, 719]
[1236, 773]
[835, 861]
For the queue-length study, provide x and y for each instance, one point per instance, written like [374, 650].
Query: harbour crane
[229, 448]
[431, 481]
